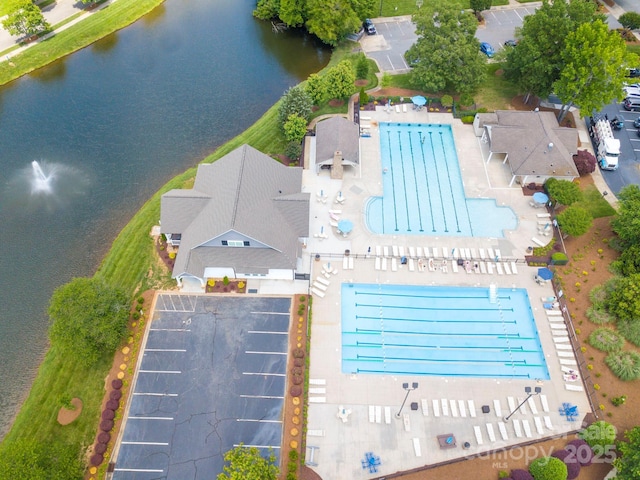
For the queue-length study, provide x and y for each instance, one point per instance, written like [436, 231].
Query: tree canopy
[88, 318]
[536, 63]
[594, 62]
[585, 162]
[330, 20]
[630, 20]
[25, 18]
[623, 301]
[244, 462]
[627, 223]
[628, 463]
[340, 80]
[446, 55]
[295, 100]
[548, 468]
[563, 191]
[295, 128]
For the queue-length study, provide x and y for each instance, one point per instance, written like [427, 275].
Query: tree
[295, 100]
[627, 222]
[446, 55]
[585, 162]
[628, 463]
[292, 12]
[340, 80]
[629, 261]
[623, 302]
[575, 221]
[28, 459]
[316, 88]
[362, 67]
[563, 191]
[295, 128]
[478, 6]
[548, 468]
[594, 67]
[244, 463]
[267, 9]
[536, 63]
[25, 18]
[630, 20]
[331, 20]
[88, 318]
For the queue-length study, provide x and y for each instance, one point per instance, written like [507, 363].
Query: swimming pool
[423, 193]
[440, 331]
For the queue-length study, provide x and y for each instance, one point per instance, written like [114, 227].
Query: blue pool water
[423, 192]
[439, 331]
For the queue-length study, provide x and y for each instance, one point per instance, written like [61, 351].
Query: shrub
[599, 435]
[559, 258]
[606, 339]
[293, 455]
[617, 401]
[625, 365]
[519, 474]
[293, 150]
[467, 119]
[599, 316]
[597, 295]
[294, 100]
[295, 128]
[104, 437]
[575, 221]
[298, 353]
[466, 100]
[291, 476]
[106, 425]
[116, 384]
[630, 329]
[100, 448]
[113, 404]
[115, 395]
[362, 67]
[446, 101]
[225, 280]
[570, 460]
[65, 401]
[582, 451]
[96, 459]
[297, 370]
[297, 379]
[630, 20]
[548, 468]
[108, 414]
[295, 390]
[140, 300]
[364, 98]
[298, 362]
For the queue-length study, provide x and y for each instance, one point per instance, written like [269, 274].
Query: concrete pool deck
[341, 445]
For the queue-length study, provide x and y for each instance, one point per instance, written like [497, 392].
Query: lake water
[113, 123]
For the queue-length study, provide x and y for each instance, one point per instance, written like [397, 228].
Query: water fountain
[41, 182]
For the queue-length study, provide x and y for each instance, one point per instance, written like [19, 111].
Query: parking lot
[212, 376]
[500, 25]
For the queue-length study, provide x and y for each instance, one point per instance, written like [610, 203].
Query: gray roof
[535, 143]
[247, 192]
[337, 134]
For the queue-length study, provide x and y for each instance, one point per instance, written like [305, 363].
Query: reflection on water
[154, 16]
[119, 119]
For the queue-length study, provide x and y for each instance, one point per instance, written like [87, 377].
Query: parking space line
[268, 332]
[142, 470]
[164, 350]
[169, 330]
[391, 63]
[262, 396]
[150, 418]
[265, 374]
[256, 446]
[150, 394]
[286, 314]
[265, 353]
[160, 371]
[634, 139]
[258, 421]
[146, 443]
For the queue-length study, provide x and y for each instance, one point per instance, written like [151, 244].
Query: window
[246, 243]
[235, 243]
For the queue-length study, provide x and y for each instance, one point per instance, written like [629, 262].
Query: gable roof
[247, 192]
[337, 134]
[535, 143]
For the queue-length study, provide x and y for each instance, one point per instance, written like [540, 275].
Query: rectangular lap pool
[423, 192]
[440, 331]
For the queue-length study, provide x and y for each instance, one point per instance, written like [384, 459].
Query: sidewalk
[54, 14]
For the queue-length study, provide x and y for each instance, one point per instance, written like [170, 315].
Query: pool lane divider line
[436, 320]
[439, 374]
[433, 152]
[424, 167]
[415, 183]
[453, 198]
[404, 182]
[360, 331]
[393, 190]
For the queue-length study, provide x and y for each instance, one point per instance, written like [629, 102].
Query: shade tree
[575, 221]
[242, 463]
[25, 18]
[295, 100]
[627, 222]
[585, 162]
[627, 463]
[340, 80]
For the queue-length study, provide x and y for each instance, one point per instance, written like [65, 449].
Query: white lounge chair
[372, 414]
[516, 428]
[378, 414]
[412, 252]
[482, 254]
[527, 428]
[322, 280]
[317, 381]
[514, 268]
[386, 251]
[416, 447]
[483, 269]
[384, 264]
[378, 251]
[395, 250]
[512, 404]
[461, 407]
[377, 265]
[412, 266]
[351, 261]
[472, 408]
[547, 422]
[507, 270]
[387, 415]
[317, 293]
[436, 408]
[573, 388]
[319, 286]
[454, 408]
[544, 402]
[503, 431]
[394, 264]
[538, 423]
[532, 405]
[499, 268]
[498, 408]
[478, 434]
[425, 407]
[492, 435]
[445, 407]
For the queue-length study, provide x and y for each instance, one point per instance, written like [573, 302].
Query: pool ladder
[493, 293]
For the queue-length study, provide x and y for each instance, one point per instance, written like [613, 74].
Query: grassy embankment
[110, 19]
[407, 7]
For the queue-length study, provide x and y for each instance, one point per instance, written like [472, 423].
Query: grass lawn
[495, 93]
[390, 8]
[594, 203]
[114, 17]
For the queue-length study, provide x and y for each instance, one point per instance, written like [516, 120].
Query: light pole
[530, 394]
[408, 388]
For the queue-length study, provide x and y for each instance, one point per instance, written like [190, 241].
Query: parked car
[369, 27]
[633, 72]
[510, 43]
[636, 122]
[631, 104]
[487, 49]
[633, 89]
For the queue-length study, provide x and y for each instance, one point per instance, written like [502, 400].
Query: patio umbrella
[345, 226]
[540, 198]
[545, 274]
[419, 100]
